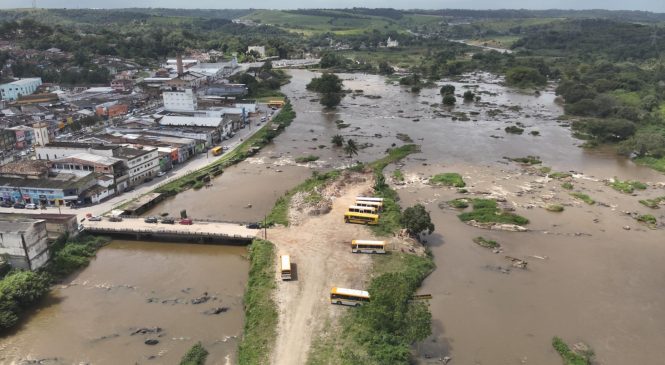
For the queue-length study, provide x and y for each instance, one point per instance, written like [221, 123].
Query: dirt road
[320, 251]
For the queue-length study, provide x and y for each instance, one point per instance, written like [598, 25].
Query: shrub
[448, 179]
[417, 220]
[554, 208]
[459, 203]
[648, 219]
[513, 129]
[528, 160]
[485, 242]
[583, 197]
[627, 186]
[449, 99]
[195, 356]
[469, 96]
[18, 291]
[305, 159]
[560, 175]
[447, 89]
[570, 357]
[567, 186]
[652, 203]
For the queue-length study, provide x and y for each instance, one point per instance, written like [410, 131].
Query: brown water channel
[603, 286]
[133, 285]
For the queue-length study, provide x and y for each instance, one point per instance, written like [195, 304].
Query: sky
[648, 5]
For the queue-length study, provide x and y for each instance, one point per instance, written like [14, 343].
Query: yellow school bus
[352, 297]
[362, 218]
[217, 151]
[367, 246]
[286, 267]
[361, 209]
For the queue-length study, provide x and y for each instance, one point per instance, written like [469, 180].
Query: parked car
[115, 219]
[253, 226]
[168, 220]
[186, 221]
[31, 206]
[95, 218]
[147, 180]
[161, 173]
[19, 205]
[129, 188]
[6, 204]
[150, 220]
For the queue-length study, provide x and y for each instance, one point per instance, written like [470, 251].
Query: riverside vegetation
[21, 290]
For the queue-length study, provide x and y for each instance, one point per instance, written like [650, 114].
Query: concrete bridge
[199, 231]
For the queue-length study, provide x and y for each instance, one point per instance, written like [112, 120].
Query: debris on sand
[216, 310]
[146, 330]
[497, 226]
[517, 263]
[202, 299]
[151, 341]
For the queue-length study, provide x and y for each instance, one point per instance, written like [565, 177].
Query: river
[594, 281]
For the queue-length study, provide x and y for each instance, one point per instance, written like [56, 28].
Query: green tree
[351, 148]
[522, 76]
[417, 220]
[449, 99]
[469, 95]
[337, 140]
[330, 100]
[447, 89]
[385, 68]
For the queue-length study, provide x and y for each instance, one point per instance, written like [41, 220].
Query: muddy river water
[588, 278]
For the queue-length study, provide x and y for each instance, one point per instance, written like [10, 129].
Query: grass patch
[389, 220]
[250, 146]
[280, 212]
[653, 203]
[567, 185]
[554, 208]
[459, 203]
[647, 219]
[398, 175]
[627, 186]
[448, 179]
[528, 160]
[195, 356]
[583, 197]
[305, 159]
[569, 356]
[484, 242]
[560, 175]
[487, 211]
[545, 170]
[260, 309]
[657, 164]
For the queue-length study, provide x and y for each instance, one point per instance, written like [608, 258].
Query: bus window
[366, 246]
[360, 209]
[362, 218]
[286, 267]
[353, 297]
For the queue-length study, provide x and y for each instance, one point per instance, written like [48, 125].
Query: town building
[392, 43]
[236, 90]
[142, 164]
[179, 100]
[24, 242]
[41, 133]
[111, 172]
[15, 89]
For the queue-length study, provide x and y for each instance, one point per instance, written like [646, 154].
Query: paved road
[199, 228]
[196, 163]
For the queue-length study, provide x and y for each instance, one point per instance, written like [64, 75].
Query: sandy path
[320, 251]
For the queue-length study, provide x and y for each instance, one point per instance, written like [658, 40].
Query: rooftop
[27, 168]
[16, 225]
[60, 181]
[128, 152]
[174, 120]
[22, 82]
[95, 146]
[97, 159]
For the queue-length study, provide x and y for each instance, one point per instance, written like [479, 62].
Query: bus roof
[354, 292]
[217, 148]
[369, 199]
[368, 202]
[360, 207]
[286, 262]
[368, 242]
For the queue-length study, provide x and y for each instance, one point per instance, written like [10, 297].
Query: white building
[142, 163]
[18, 88]
[390, 43]
[180, 101]
[25, 242]
[40, 132]
[261, 50]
